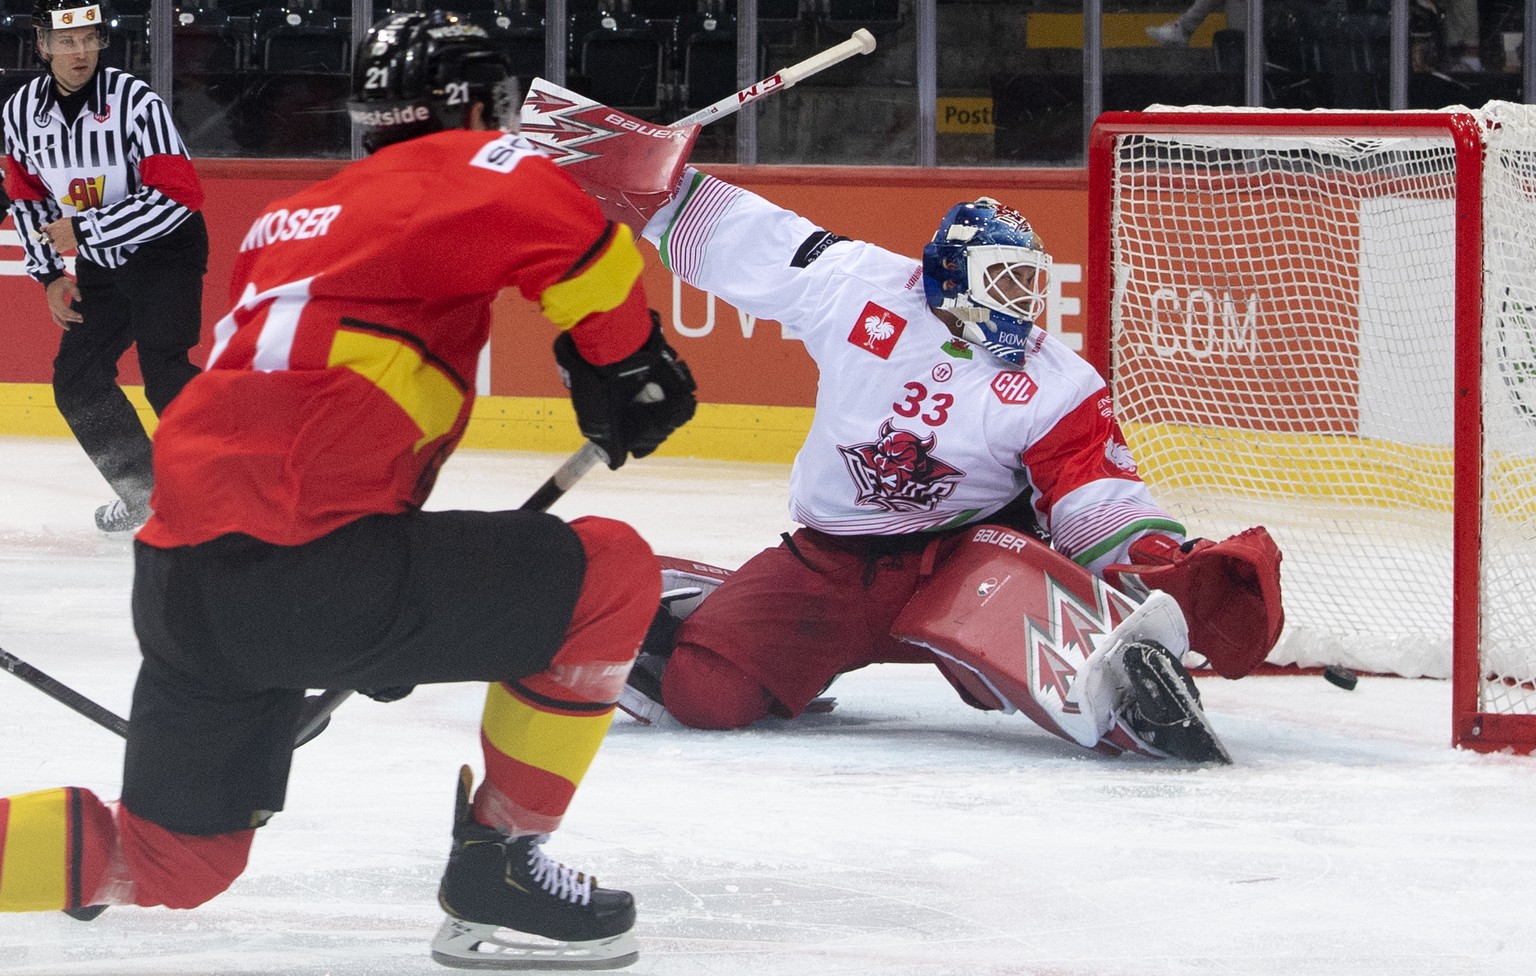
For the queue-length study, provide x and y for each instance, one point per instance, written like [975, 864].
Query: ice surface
[903, 834]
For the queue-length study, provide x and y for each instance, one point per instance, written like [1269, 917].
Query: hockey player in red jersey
[949, 429]
[288, 548]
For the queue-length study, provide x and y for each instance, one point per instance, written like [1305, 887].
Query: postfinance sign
[969, 116]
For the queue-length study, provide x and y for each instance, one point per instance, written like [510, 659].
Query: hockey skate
[1161, 705]
[641, 697]
[511, 907]
[1171, 34]
[121, 516]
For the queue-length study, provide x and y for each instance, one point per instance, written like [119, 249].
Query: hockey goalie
[965, 497]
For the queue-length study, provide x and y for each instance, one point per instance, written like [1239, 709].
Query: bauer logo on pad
[877, 330]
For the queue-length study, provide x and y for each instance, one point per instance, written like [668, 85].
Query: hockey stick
[631, 167]
[63, 694]
[318, 709]
[862, 42]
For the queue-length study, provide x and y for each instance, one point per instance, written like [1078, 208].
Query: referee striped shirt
[93, 168]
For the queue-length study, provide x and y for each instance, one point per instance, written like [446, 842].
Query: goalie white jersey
[914, 430]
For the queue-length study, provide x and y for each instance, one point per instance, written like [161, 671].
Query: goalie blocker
[629, 166]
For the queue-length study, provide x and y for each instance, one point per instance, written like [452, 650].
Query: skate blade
[469, 945]
[640, 708]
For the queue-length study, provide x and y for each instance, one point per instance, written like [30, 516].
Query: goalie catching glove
[1229, 592]
[631, 406]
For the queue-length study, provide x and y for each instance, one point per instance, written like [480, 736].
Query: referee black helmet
[418, 73]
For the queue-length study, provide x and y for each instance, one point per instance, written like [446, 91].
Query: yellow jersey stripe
[422, 389]
[600, 287]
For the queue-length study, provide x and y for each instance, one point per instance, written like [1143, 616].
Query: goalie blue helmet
[987, 267]
[419, 73]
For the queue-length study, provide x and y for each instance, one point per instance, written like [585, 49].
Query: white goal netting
[1283, 351]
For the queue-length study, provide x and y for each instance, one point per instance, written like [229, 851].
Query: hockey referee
[95, 166]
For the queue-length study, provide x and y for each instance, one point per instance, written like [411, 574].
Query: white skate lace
[564, 883]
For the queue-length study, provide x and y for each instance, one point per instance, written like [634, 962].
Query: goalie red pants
[791, 619]
[234, 631]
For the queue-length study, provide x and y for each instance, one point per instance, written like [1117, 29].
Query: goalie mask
[988, 268]
[419, 73]
[51, 15]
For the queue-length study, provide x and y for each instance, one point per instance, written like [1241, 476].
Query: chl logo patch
[1014, 386]
[877, 330]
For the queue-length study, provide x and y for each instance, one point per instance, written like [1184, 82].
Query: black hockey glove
[631, 406]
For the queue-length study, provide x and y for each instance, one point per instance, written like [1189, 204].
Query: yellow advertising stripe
[426, 394]
[719, 432]
[559, 744]
[35, 870]
[601, 286]
[1292, 465]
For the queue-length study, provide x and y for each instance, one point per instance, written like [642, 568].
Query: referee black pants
[153, 301]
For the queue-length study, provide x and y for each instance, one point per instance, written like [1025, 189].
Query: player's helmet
[418, 73]
[52, 15]
[988, 268]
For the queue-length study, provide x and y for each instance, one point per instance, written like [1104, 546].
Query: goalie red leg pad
[971, 689]
[179, 870]
[1015, 618]
[703, 690]
[1229, 592]
[55, 846]
[540, 733]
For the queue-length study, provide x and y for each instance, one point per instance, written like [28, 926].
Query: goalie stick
[862, 42]
[317, 708]
[632, 167]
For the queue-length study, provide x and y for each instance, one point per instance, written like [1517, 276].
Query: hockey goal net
[1325, 323]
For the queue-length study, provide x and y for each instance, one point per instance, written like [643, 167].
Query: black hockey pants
[154, 301]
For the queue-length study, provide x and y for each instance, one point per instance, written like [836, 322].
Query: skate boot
[1160, 704]
[120, 516]
[1171, 34]
[641, 697]
[681, 593]
[511, 907]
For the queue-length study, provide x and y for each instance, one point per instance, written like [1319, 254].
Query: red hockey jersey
[343, 375]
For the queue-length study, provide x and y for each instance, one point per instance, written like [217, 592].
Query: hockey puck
[1342, 677]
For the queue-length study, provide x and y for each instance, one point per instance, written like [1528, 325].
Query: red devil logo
[899, 471]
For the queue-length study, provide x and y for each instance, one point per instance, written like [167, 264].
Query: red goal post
[1325, 322]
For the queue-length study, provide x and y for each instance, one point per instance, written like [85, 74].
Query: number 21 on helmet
[419, 73]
